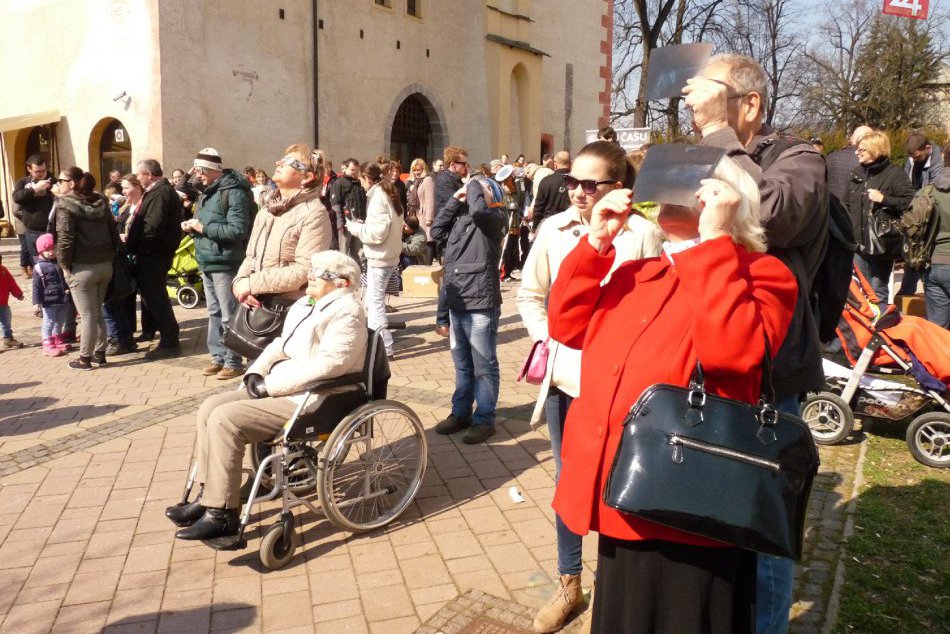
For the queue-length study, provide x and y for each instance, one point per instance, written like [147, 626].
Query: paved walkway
[89, 460]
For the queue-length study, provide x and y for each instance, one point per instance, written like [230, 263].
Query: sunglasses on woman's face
[323, 274]
[589, 186]
[63, 180]
[290, 161]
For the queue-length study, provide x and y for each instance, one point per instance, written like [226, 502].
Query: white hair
[339, 264]
[746, 226]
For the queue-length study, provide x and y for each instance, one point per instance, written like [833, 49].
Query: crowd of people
[724, 281]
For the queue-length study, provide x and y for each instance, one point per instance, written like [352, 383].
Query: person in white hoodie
[600, 167]
[381, 235]
[323, 337]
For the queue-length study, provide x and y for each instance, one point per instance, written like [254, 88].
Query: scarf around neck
[276, 205]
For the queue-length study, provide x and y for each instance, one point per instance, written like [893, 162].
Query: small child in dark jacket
[8, 286]
[49, 296]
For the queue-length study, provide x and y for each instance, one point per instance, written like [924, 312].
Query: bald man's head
[562, 159]
[859, 133]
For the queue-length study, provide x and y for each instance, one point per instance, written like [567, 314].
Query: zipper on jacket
[678, 442]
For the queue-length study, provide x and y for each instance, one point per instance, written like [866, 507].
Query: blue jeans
[877, 270]
[375, 299]
[775, 575]
[569, 544]
[937, 293]
[53, 319]
[477, 374]
[6, 322]
[222, 308]
[118, 326]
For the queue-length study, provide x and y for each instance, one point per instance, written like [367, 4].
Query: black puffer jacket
[85, 232]
[885, 177]
[474, 230]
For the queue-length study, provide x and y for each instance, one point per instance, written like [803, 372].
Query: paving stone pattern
[89, 461]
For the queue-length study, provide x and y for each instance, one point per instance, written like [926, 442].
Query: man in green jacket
[220, 228]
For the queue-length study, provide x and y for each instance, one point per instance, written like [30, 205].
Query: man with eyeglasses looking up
[154, 232]
[34, 200]
[220, 228]
[447, 182]
[728, 103]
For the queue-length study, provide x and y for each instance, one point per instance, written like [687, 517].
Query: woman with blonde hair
[418, 171]
[291, 225]
[878, 194]
[712, 295]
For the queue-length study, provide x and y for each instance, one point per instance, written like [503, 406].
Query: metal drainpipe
[316, 78]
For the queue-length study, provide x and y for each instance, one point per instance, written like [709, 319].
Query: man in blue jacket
[473, 221]
[220, 228]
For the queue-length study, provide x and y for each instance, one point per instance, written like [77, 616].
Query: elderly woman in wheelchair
[315, 399]
[324, 336]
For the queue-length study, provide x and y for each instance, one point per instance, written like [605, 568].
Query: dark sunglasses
[589, 186]
[64, 180]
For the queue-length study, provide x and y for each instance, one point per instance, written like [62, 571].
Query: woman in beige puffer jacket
[290, 227]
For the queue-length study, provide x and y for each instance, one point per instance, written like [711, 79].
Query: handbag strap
[697, 381]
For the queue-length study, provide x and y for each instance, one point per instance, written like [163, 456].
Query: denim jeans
[569, 544]
[25, 258]
[222, 308]
[474, 342]
[442, 309]
[877, 270]
[937, 293]
[53, 319]
[6, 323]
[774, 575]
[375, 299]
[118, 326]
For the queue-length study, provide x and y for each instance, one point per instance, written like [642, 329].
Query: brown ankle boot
[567, 598]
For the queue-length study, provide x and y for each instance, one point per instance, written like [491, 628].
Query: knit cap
[210, 159]
[44, 243]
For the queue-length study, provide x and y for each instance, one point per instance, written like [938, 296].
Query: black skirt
[658, 587]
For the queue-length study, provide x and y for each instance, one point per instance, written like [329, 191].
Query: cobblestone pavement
[89, 461]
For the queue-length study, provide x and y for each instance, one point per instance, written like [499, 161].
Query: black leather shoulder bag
[716, 467]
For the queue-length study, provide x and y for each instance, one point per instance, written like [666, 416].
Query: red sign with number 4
[916, 9]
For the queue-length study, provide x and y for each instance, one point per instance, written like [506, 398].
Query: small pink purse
[536, 364]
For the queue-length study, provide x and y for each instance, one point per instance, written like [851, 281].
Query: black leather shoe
[452, 424]
[162, 351]
[145, 336]
[185, 514]
[214, 523]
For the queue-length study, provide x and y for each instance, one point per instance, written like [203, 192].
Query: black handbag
[715, 467]
[253, 328]
[884, 237]
[123, 281]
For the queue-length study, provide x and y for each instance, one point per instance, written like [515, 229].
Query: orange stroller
[899, 371]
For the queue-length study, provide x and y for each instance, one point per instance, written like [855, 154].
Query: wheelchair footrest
[228, 542]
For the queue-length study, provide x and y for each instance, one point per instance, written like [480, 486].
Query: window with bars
[412, 8]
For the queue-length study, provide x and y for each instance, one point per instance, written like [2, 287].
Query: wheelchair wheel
[276, 549]
[301, 473]
[928, 437]
[828, 416]
[188, 296]
[373, 465]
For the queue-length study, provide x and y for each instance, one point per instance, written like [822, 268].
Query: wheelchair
[365, 456]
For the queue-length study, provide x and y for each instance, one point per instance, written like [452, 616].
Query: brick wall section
[606, 70]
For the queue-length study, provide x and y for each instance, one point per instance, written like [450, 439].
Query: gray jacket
[932, 166]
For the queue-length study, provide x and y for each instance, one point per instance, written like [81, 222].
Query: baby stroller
[184, 278]
[899, 371]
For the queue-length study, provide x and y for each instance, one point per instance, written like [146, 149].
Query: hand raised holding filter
[608, 218]
[718, 204]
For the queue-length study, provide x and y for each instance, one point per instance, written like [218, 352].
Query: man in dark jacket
[447, 182]
[220, 229]
[154, 232]
[348, 200]
[34, 201]
[552, 194]
[473, 222]
[728, 103]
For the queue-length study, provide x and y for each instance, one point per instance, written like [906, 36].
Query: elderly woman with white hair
[714, 295]
[324, 336]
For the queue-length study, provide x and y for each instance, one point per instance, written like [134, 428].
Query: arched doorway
[110, 148]
[412, 132]
[40, 141]
[518, 111]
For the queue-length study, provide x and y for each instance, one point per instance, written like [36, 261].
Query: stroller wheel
[188, 296]
[828, 416]
[928, 437]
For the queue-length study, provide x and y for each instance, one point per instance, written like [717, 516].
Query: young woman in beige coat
[599, 168]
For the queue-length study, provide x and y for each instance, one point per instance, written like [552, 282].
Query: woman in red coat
[712, 295]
